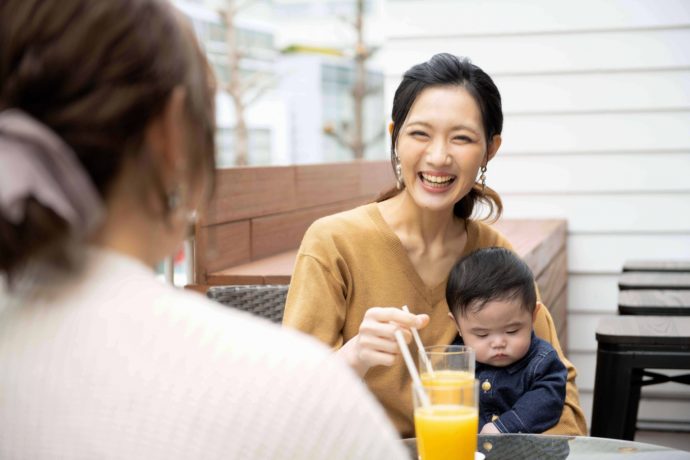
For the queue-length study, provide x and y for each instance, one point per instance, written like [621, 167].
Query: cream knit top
[113, 364]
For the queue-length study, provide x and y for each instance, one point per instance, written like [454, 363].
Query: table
[544, 447]
[654, 280]
[655, 287]
[677, 265]
[654, 302]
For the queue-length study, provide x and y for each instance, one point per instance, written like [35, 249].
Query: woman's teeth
[436, 181]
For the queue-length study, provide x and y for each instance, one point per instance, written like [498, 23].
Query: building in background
[317, 89]
[311, 79]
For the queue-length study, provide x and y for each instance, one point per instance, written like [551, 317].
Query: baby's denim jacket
[526, 396]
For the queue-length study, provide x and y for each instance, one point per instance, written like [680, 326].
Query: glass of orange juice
[447, 427]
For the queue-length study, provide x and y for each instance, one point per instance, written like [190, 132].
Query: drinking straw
[416, 381]
[418, 341]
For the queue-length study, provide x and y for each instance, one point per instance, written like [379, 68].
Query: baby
[493, 302]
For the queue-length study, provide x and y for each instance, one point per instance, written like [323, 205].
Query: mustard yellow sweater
[352, 261]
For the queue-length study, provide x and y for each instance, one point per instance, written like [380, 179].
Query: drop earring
[173, 199]
[176, 201]
[482, 178]
[400, 184]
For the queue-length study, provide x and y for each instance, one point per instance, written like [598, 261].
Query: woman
[106, 146]
[355, 269]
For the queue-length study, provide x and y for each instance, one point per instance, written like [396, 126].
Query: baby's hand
[489, 428]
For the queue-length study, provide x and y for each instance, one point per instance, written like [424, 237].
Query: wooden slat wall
[542, 244]
[260, 214]
[260, 211]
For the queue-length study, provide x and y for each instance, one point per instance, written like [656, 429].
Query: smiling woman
[355, 269]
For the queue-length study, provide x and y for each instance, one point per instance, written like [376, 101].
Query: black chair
[627, 347]
[653, 332]
[264, 300]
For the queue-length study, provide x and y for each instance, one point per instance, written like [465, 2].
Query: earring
[400, 184]
[173, 199]
[482, 178]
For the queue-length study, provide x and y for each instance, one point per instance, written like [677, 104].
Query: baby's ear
[536, 310]
[457, 326]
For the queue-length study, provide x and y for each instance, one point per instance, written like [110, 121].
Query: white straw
[416, 381]
[418, 341]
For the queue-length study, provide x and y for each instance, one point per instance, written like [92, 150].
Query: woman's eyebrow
[459, 127]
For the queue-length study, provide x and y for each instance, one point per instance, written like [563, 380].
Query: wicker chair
[264, 300]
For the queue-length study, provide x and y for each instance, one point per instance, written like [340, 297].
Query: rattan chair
[264, 300]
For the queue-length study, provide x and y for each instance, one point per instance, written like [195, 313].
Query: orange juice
[446, 432]
[447, 378]
[442, 387]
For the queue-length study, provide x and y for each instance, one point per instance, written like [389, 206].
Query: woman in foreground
[106, 149]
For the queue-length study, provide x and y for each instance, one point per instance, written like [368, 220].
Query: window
[259, 147]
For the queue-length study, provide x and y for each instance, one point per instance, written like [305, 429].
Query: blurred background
[596, 98]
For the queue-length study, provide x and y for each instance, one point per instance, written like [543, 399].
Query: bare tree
[353, 138]
[242, 91]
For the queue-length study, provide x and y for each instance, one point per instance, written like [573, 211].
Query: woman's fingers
[423, 320]
[384, 330]
[376, 342]
[379, 344]
[377, 358]
[398, 316]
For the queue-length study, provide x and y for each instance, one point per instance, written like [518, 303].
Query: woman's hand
[375, 345]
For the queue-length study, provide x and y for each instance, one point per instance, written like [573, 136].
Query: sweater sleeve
[541, 406]
[316, 302]
[572, 421]
[328, 413]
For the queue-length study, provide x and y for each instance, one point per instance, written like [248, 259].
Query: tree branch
[376, 137]
[372, 89]
[258, 88]
[347, 20]
[330, 130]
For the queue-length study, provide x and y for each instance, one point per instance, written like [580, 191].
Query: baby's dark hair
[487, 275]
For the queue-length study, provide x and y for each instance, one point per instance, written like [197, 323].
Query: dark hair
[97, 72]
[447, 70]
[486, 275]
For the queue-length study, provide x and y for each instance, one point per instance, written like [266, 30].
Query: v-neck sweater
[352, 261]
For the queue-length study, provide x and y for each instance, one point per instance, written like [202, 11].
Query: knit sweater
[110, 363]
[352, 261]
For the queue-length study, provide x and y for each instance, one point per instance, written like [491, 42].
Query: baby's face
[499, 333]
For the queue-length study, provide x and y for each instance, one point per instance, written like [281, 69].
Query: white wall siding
[583, 92]
[605, 212]
[581, 173]
[596, 97]
[598, 132]
[592, 293]
[452, 17]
